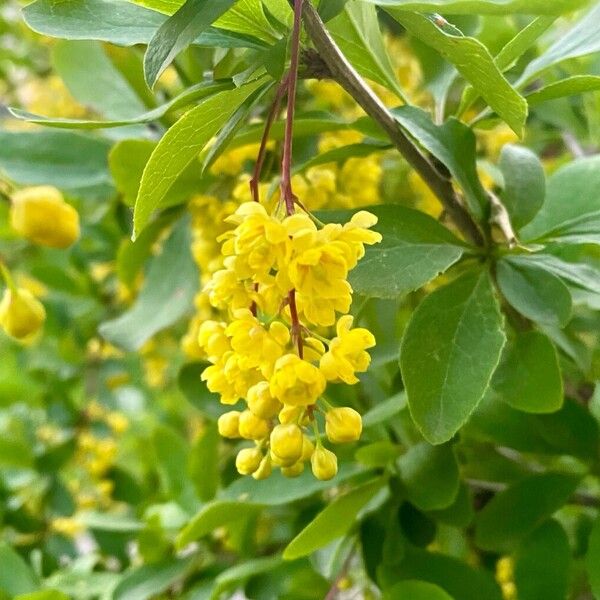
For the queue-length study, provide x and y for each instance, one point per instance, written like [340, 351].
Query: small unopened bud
[248, 460]
[251, 427]
[286, 443]
[343, 425]
[324, 464]
[229, 424]
[21, 314]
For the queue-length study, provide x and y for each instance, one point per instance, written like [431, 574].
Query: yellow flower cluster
[280, 277]
[505, 577]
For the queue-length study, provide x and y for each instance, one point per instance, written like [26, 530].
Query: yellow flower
[212, 339]
[343, 425]
[346, 354]
[287, 443]
[218, 383]
[296, 382]
[66, 526]
[264, 469]
[252, 427]
[229, 424]
[293, 470]
[41, 215]
[118, 422]
[248, 461]
[324, 464]
[225, 290]
[260, 401]
[21, 314]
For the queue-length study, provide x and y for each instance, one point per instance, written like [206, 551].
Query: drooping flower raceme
[281, 280]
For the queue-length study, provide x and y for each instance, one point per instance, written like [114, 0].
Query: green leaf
[592, 558]
[150, 580]
[458, 514]
[452, 143]
[334, 521]
[571, 212]
[524, 184]
[214, 515]
[383, 411]
[578, 84]
[94, 81]
[16, 576]
[70, 161]
[473, 61]
[415, 590]
[43, 595]
[181, 144]
[414, 250]
[449, 351]
[430, 475]
[529, 377]
[487, 7]
[239, 573]
[536, 293]
[178, 32]
[248, 17]
[196, 392]
[16, 453]
[542, 563]
[514, 513]
[204, 465]
[167, 295]
[451, 574]
[189, 96]
[356, 31]
[582, 39]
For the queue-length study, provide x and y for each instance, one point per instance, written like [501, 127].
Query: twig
[334, 589]
[344, 73]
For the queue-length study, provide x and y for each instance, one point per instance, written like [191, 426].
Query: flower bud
[229, 424]
[290, 414]
[324, 464]
[293, 470]
[286, 443]
[41, 215]
[307, 448]
[260, 401]
[264, 469]
[21, 313]
[343, 425]
[248, 461]
[251, 427]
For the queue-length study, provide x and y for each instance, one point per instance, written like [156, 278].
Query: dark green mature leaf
[204, 465]
[571, 212]
[416, 590]
[189, 96]
[214, 515]
[542, 563]
[356, 31]
[449, 352]
[529, 377]
[167, 295]
[196, 392]
[514, 513]
[473, 61]
[536, 293]
[181, 144]
[430, 475]
[16, 576]
[451, 574]
[335, 520]
[178, 32]
[144, 582]
[70, 161]
[452, 143]
[524, 184]
[415, 249]
[592, 559]
[582, 39]
[487, 7]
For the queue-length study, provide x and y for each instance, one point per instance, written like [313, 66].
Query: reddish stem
[296, 327]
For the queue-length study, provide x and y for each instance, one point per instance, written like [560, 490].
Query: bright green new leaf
[416, 590]
[487, 7]
[204, 463]
[514, 513]
[16, 576]
[239, 573]
[169, 288]
[452, 143]
[571, 212]
[181, 144]
[43, 595]
[178, 32]
[333, 522]
[414, 250]
[474, 63]
[449, 352]
[248, 17]
[356, 31]
[592, 559]
[430, 475]
[536, 293]
[542, 564]
[524, 184]
[214, 515]
[578, 84]
[529, 377]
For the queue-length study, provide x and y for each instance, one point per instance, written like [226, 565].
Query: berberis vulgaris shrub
[300, 300]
